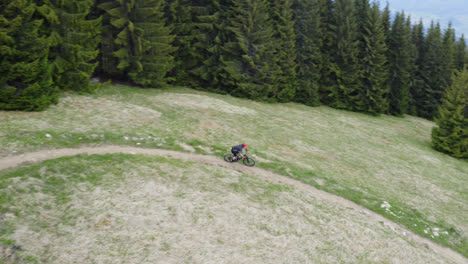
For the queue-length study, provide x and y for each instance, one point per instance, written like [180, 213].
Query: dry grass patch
[85, 114]
[155, 210]
[196, 101]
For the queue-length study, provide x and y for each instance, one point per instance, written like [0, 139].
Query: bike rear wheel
[228, 157]
[249, 162]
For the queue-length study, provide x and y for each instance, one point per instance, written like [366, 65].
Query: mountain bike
[246, 160]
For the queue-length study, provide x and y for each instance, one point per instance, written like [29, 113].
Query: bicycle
[246, 160]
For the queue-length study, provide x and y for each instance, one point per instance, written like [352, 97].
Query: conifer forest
[347, 54]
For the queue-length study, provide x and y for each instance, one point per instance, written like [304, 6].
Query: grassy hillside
[384, 163]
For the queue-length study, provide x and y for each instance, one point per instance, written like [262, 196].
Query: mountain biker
[237, 150]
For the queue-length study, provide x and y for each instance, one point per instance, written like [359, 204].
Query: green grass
[369, 160]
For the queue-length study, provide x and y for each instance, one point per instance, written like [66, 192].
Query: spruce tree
[361, 9]
[448, 59]
[399, 65]
[285, 40]
[308, 50]
[433, 72]
[345, 71]
[25, 81]
[107, 66]
[328, 39]
[451, 134]
[386, 23]
[142, 45]
[179, 17]
[372, 61]
[460, 54]
[74, 42]
[249, 57]
[210, 35]
[417, 77]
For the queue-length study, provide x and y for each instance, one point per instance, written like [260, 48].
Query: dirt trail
[13, 161]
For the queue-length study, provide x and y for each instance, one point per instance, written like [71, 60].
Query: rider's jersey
[238, 148]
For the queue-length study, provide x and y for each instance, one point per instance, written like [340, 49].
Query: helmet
[244, 145]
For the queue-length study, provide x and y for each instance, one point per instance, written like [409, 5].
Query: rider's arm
[242, 155]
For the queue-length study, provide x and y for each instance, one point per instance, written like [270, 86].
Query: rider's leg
[234, 154]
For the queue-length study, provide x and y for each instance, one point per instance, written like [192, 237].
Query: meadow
[384, 163]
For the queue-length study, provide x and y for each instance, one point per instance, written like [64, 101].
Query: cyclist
[237, 150]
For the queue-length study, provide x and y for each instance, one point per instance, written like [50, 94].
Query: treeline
[45, 46]
[348, 54]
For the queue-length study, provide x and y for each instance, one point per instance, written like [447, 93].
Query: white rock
[126, 138]
[436, 234]
[404, 233]
[385, 205]
[48, 136]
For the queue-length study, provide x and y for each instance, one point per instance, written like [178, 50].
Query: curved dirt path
[38, 156]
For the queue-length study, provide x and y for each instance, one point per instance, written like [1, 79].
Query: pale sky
[442, 11]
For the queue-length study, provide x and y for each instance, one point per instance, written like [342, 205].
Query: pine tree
[460, 54]
[284, 38]
[74, 41]
[345, 70]
[372, 61]
[432, 72]
[25, 81]
[399, 62]
[417, 79]
[142, 45]
[451, 134]
[249, 60]
[308, 46]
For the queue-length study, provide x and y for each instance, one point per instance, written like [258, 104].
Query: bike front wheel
[249, 162]
[228, 157]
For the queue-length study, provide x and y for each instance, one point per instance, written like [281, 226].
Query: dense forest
[347, 54]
